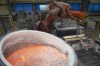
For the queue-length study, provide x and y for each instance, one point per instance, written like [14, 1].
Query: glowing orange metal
[38, 55]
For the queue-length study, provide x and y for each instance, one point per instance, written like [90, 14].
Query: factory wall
[2, 1]
[3, 7]
[4, 10]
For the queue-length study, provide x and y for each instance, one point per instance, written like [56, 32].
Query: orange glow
[38, 55]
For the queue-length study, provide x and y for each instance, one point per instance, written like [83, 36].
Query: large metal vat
[15, 40]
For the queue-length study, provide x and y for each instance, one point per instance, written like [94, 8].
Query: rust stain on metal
[38, 55]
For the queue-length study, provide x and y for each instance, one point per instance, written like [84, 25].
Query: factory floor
[93, 34]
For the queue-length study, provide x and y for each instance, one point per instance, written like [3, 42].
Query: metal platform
[88, 58]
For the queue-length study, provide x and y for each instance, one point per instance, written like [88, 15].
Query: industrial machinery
[61, 10]
[67, 27]
[63, 22]
[89, 51]
[24, 20]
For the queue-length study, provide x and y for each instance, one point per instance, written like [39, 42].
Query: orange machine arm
[58, 9]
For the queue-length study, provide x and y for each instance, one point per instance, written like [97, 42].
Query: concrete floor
[93, 34]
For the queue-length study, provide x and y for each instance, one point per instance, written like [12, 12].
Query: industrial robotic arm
[58, 9]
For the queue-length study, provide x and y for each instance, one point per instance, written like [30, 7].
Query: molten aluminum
[38, 55]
